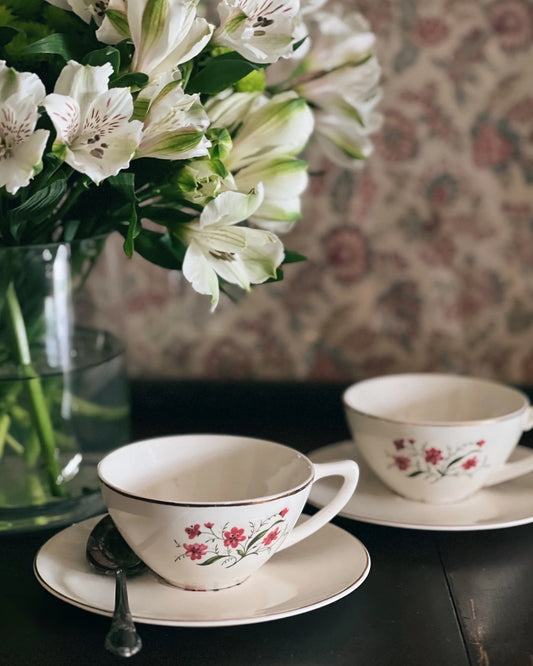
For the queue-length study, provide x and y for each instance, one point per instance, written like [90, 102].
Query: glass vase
[64, 397]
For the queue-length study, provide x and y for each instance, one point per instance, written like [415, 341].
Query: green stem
[15, 445]
[74, 194]
[94, 411]
[4, 427]
[40, 415]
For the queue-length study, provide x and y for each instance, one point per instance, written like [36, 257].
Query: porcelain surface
[207, 511]
[316, 572]
[435, 437]
[505, 505]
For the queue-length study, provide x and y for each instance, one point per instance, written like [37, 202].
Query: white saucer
[315, 572]
[505, 505]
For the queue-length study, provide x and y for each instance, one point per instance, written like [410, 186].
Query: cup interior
[205, 469]
[426, 398]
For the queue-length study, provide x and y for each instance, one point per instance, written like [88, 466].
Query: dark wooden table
[431, 598]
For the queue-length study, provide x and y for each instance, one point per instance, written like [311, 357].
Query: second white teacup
[438, 438]
[206, 511]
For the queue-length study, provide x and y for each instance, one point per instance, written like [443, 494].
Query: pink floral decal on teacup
[230, 544]
[417, 459]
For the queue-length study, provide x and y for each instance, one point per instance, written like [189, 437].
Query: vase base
[83, 503]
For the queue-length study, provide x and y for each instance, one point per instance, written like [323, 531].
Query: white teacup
[206, 511]
[438, 438]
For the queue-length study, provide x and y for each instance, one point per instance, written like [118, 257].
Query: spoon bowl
[109, 554]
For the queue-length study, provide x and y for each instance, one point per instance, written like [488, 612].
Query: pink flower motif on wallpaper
[512, 21]
[397, 141]
[495, 145]
[231, 543]
[420, 459]
[346, 250]
[431, 31]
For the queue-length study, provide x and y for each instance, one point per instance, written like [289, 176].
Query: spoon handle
[122, 638]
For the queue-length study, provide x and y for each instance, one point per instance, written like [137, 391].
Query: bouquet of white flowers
[155, 120]
[125, 111]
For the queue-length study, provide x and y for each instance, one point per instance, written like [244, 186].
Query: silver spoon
[109, 554]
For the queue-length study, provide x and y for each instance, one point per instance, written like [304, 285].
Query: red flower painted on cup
[193, 531]
[271, 536]
[209, 525]
[402, 462]
[234, 537]
[195, 550]
[424, 462]
[433, 456]
[471, 462]
[283, 512]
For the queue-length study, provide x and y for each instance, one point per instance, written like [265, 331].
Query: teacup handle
[512, 470]
[348, 469]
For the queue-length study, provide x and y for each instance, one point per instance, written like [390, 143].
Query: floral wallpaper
[422, 260]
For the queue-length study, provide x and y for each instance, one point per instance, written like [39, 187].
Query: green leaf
[292, 257]
[415, 474]
[256, 538]
[166, 215]
[71, 229]
[454, 461]
[134, 229]
[159, 249]
[124, 183]
[101, 56]
[297, 45]
[186, 71]
[131, 80]
[220, 73]
[57, 44]
[6, 34]
[40, 205]
[211, 560]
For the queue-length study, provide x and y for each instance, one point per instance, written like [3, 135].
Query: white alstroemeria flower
[343, 141]
[270, 133]
[352, 91]
[345, 103]
[21, 145]
[85, 9]
[203, 179]
[165, 33]
[218, 247]
[279, 126]
[228, 108]
[310, 6]
[284, 179]
[337, 40]
[260, 31]
[94, 133]
[174, 123]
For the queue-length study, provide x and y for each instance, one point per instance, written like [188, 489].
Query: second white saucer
[505, 505]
